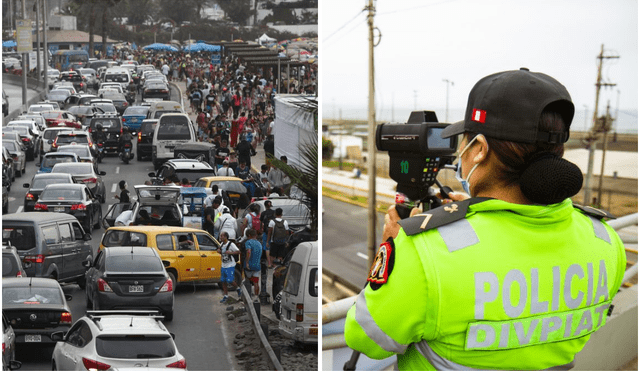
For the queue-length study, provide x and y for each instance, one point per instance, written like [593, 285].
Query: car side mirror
[68, 297]
[58, 336]
[166, 263]
[86, 264]
[103, 173]
[87, 237]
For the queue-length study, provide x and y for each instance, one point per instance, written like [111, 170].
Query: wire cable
[343, 26]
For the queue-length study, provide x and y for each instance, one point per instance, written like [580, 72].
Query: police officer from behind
[515, 277]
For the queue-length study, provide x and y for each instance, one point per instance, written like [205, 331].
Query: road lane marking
[19, 209]
[363, 256]
[113, 188]
[118, 170]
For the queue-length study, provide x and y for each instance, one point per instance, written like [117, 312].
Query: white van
[119, 75]
[299, 305]
[172, 129]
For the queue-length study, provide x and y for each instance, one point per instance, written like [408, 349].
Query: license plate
[58, 209]
[134, 120]
[136, 288]
[32, 338]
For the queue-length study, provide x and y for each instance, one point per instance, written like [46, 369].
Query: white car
[116, 339]
[41, 107]
[159, 202]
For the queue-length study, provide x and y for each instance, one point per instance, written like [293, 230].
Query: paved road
[344, 240]
[198, 322]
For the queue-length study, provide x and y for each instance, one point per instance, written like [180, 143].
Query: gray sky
[424, 42]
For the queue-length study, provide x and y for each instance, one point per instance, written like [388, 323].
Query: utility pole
[25, 63]
[340, 141]
[36, 8]
[45, 47]
[592, 137]
[446, 114]
[615, 122]
[605, 125]
[371, 143]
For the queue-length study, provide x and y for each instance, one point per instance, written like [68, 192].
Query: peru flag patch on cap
[479, 115]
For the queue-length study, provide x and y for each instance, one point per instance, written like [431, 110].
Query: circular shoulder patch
[382, 265]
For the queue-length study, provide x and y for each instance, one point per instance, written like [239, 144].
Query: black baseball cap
[507, 106]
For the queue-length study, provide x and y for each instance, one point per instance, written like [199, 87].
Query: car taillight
[124, 120]
[90, 180]
[15, 157]
[34, 258]
[89, 130]
[19, 274]
[78, 207]
[99, 144]
[125, 104]
[299, 312]
[139, 137]
[90, 364]
[103, 286]
[167, 287]
[127, 145]
[29, 197]
[164, 91]
[180, 364]
[3, 348]
[65, 317]
[26, 140]
[81, 85]
[41, 207]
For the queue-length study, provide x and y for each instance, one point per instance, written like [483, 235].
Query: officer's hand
[453, 196]
[391, 219]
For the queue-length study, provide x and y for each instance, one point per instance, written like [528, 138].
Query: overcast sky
[424, 42]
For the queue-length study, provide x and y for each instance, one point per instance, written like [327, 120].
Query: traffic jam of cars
[88, 145]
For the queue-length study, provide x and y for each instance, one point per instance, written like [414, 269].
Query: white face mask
[465, 182]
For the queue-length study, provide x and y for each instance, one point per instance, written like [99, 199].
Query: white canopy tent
[264, 39]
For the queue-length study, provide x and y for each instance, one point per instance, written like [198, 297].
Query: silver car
[116, 339]
[17, 153]
[83, 172]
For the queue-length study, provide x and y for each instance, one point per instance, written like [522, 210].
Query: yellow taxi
[231, 185]
[189, 254]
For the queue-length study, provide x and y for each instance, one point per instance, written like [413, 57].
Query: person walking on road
[227, 250]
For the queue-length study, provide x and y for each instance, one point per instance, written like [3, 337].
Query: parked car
[61, 119]
[83, 172]
[35, 307]
[41, 238]
[51, 159]
[165, 240]
[133, 116]
[299, 300]
[37, 185]
[145, 137]
[131, 277]
[30, 141]
[116, 340]
[182, 168]
[74, 199]
[18, 155]
[8, 346]
[11, 262]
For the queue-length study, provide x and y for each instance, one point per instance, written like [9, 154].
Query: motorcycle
[126, 154]
[100, 152]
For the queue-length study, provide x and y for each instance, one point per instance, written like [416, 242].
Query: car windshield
[159, 114]
[81, 151]
[174, 131]
[20, 237]
[107, 107]
[32, 295]
[106, 123]
[148, 128]
[194, 175]
[113, 95]
[135, 347]
[74, 168]
[61, 194]
[49, 161]
[18, 129]
[133, 263]
[40, 108]
[136, 111]
[227, 185]
[72, 138]
[117, 78]
[57, 96]
[124, 238]
[40, 183]
[51, 134]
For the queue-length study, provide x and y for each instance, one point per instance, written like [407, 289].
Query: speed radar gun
[417, 152]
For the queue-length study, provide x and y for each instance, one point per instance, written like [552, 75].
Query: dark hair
[214, 188]
[251, 233]
[279, 212]
[543, 175]
[267, 204]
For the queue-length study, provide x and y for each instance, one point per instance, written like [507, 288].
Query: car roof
[132, 250]
[36, 216]
[220, 178]
[66, 186]
[60, 154]
[127, 325]
[184, 163]
[153, 229]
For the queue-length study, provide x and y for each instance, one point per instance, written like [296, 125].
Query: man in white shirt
[277, 236]
[124, 218]
[226, 223]
[227, 248]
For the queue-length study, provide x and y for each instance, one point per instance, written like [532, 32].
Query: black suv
[112, 129]
[76, 79]
[145, 138]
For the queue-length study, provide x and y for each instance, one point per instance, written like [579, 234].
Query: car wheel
[19, 174]
[82, 282]
[173, 278]
[5, 209]
[168, 316]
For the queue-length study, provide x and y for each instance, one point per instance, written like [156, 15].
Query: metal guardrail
[337, 310]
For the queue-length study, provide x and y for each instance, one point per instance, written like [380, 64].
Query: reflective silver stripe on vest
[600, 230]
[442, 364]
[458, 235]
[375, 333]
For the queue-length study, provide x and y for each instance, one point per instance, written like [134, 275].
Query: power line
[343, 26]
[417, 7]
